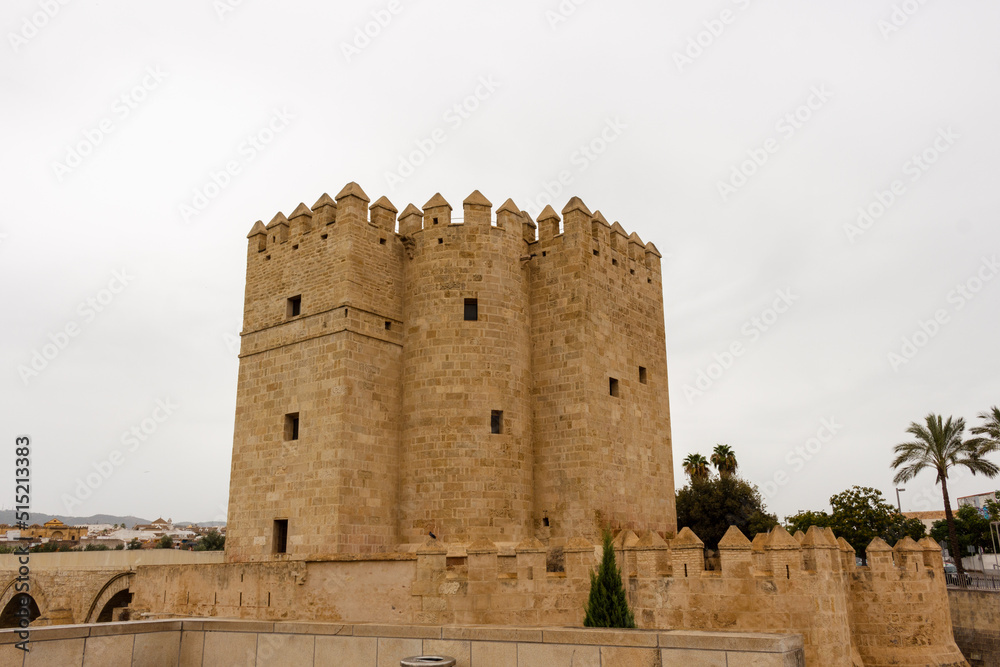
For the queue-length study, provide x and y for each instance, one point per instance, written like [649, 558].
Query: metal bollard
[428, 661]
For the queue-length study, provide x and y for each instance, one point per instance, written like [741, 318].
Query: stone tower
[461, 378]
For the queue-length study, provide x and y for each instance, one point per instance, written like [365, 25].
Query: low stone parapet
[221, 643]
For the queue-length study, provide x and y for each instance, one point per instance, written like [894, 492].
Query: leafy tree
[803, 520]
[709, 507]
[696, 467]
[939, 446]
[96, 547]
[607, 606]
[134, 543]
[993, 509]
[724, 459]
[211, 541]
[119, 547]
[860, 514]
[972, 528]
[165, 542]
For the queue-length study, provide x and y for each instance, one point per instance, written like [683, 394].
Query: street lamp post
[899, 504]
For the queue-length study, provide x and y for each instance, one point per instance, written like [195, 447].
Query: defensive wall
[975, 616]
[415, 374]
[892, 612]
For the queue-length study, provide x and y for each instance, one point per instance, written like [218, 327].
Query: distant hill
[7, 517]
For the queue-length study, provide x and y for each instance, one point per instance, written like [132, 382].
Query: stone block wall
[975, 616]
[366, 400]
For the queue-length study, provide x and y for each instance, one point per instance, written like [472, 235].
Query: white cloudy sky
[117, 114]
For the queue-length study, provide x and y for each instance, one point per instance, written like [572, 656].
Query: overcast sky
[741, 137]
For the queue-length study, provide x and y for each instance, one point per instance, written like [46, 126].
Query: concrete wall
[975, 616]
[221, 643]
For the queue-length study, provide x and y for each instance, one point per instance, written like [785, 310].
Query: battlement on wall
[649, 556]
[591, 231]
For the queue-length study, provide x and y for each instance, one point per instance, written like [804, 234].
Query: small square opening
[642, 374]
[632, 271]
[596, 252]
[294, 307]
[496, 421]
[614, 262]
[388, 325]
[292, 426]
[279, 537]
[324, 236]
[381, 241]
[435, 221]
[295, 247]
[613, 386]
[440, 240]
[471, 310]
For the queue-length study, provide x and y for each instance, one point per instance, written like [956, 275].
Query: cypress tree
[607, 606]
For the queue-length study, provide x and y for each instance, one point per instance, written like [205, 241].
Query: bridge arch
[39, 602]
[116, 590]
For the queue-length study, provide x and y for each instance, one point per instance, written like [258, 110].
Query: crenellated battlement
[587, 232]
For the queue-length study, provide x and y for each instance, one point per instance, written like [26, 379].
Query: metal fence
[973, 581]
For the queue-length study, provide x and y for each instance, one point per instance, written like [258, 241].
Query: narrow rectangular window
[613, 386]
[471, 310]
[496, 421]
[292, 426]
[642, 374]
[294, 307]
[388, 325]
[279, 539]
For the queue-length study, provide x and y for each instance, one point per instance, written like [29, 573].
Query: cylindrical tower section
[466, 466]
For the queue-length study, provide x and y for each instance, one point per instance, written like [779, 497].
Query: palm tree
[724, 459]
[696, 467]
[939, 446]
[991, 429]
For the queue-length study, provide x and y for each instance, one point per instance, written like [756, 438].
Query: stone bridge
[81, 586]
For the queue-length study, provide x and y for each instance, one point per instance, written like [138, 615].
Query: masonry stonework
[457, 377]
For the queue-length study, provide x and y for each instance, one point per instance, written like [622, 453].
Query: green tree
[134, 543]
[607, 606]
[939, 446]
[696, 467]
[993, 508]
[804, 519]
[971, 527]
[211, 541]
[859, 515]
[724, 459]
[165, 542]
[96, 547]
[709, 507]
